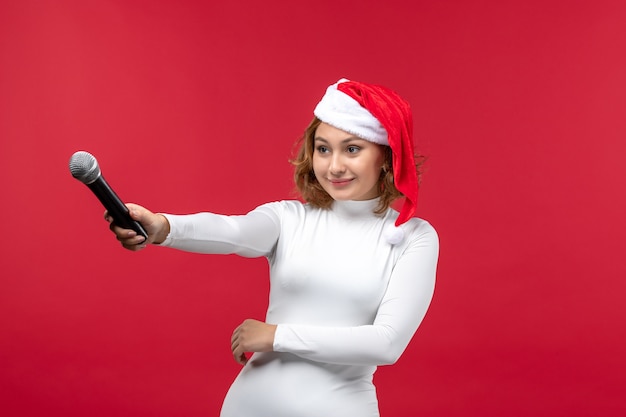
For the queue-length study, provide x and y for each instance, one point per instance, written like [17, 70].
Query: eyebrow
[351, 138]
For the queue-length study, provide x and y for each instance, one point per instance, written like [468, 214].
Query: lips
[340, 182]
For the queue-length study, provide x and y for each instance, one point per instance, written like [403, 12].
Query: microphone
[84, 167]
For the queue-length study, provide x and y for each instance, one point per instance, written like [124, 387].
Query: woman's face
[346, 166]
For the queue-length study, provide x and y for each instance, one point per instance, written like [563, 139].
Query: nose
[336, 166]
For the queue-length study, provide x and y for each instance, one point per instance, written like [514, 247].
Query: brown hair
[313, 193]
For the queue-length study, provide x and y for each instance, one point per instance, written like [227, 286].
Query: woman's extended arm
[250, 235]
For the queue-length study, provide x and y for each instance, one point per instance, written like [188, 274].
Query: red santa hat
[379, 115]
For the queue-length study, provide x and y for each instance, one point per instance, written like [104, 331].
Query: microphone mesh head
[84, 167]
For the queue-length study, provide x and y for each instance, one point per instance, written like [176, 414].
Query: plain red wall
[194, 105]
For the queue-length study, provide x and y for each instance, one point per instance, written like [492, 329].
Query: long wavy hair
[313, 192]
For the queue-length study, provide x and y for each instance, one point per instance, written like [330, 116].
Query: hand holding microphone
[156, 225]
[134, 230]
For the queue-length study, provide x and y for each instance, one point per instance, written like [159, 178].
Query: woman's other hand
[252, 336]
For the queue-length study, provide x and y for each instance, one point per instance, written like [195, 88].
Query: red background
[193, 105]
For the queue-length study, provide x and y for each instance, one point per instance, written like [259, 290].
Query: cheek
[317, 163]
[317, 168]
[372, 169]
[379, 161]
[372, 166]
[373, 174]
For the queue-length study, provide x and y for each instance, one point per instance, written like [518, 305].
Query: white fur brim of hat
[343, 112]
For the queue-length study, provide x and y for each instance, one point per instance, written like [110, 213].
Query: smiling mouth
[340, 182]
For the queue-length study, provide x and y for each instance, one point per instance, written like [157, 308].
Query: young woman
[351, 278]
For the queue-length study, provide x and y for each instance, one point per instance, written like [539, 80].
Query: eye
[353, 149]
[322, 149]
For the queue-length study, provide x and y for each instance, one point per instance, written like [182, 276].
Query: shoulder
[418, 225]
[414, 227]
[284, 208]
[420, 231]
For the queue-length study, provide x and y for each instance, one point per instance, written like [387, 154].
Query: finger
[236, 352]
[139, 213]
[134, 214]
[240, 357]
[130, 240]
[238, 331]
[233, 344]
[237, 346]
[120, 232]
[236, 341]
[126, 236]
[134, 248]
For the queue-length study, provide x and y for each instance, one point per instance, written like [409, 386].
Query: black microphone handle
[115, 207]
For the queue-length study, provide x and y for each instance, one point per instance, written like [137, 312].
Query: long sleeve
[403, 306]
[250, 235]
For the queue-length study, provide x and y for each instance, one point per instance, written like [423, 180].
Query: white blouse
[343, 299]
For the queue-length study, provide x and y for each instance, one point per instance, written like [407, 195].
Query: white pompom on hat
[377, 114]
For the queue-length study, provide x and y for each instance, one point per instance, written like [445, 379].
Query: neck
[353, 208]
